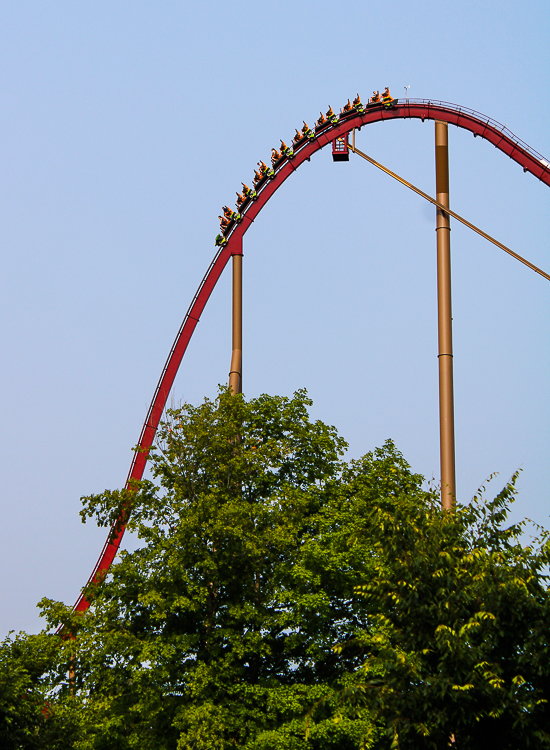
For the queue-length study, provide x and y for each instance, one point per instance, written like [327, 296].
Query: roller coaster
[330, 129]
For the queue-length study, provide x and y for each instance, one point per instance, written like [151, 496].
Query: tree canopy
[457, 646]
[282, 597]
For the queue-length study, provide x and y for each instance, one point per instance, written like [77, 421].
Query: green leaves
[218, 631]
[459, 614]
[282, 598]
[32, 715]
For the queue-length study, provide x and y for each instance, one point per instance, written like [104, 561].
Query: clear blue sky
[124, 127]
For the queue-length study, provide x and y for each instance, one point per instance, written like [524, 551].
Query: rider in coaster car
[248, 192]
[265, 170]
[375, 98]
[286, 150]
[257, 177]
[227, 212]
[240, 200]
[275, 155]
[330, 113]
[347, 106]
[298, 137]
[357, 101]
[321, 120]
[386, 96]
[224, 223]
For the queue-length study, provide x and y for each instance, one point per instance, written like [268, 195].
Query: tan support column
[235, 373]
[444, 318]
[72, 675]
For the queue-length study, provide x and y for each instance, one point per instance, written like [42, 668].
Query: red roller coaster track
[423, 109]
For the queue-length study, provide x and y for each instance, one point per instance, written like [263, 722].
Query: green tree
[458, 647]
[35, 710]
[283, 599]
[218, 632]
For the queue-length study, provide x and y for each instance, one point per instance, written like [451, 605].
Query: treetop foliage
[282, 597]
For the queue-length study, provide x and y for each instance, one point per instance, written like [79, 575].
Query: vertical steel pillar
[72, 675]
[235, 373]
[444, 319]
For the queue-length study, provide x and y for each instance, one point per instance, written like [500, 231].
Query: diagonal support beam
[448, 211]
